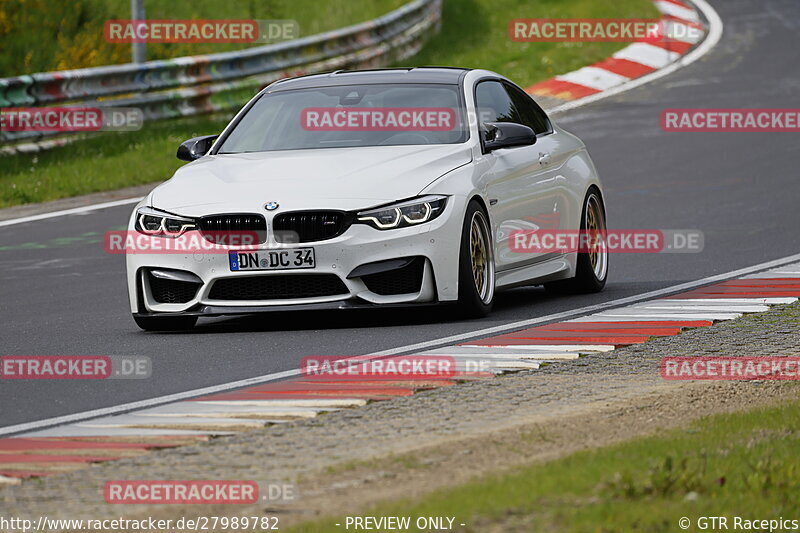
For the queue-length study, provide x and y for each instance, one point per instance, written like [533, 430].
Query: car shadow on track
[509, 301]
[510, 305]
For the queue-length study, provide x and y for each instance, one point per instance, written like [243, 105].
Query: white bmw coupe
[369, 188]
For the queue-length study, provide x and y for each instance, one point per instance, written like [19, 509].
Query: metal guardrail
[218, 82]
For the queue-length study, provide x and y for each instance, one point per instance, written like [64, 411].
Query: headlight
[158, 223]
[404, 214]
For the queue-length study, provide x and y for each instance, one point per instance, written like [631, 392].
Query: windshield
[349, 116]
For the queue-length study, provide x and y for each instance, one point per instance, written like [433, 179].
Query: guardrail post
[224, 81]
[138, 50]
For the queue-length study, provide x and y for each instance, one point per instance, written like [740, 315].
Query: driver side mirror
[507, 134]
[196, 147]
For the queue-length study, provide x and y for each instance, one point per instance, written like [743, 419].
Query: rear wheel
[165, 323]
[592, 265]
[476, 268]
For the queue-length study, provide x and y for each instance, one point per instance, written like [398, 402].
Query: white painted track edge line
[715, 28]
[587, 310]
[711, 40]
[72, 211]
[152, 402]
[567, 348]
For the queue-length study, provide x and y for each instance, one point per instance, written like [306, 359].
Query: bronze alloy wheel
[596, 229]
[481, 257]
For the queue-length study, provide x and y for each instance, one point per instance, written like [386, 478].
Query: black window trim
[515, 87]
[508, 83]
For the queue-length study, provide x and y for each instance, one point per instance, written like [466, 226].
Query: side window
[494, 104]
[532, 115]
[499, 102]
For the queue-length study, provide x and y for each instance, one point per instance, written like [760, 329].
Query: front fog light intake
[173, 286]
[393, 276]
[161, 224]
[404, 214]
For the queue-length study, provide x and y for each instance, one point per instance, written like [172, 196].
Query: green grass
[742, 464]
[101, 163]
[474, 34]
[44, 35]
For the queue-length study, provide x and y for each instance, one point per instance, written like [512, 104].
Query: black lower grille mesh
[405, 280]
[169, 291]
[277, 287]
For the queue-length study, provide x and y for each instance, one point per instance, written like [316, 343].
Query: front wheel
[165, 323]
[476, 268]
[591, 269]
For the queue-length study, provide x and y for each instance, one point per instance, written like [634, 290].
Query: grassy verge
[44, 35]
[743, 464]
[102, 163]
[474, 34]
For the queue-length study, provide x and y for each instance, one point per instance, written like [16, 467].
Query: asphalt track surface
[741, 189]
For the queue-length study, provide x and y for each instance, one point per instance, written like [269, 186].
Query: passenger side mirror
[506, 135]
[195, 148]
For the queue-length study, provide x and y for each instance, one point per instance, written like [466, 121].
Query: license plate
[272, 259]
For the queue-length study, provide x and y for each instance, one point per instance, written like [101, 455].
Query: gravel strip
[304, 449]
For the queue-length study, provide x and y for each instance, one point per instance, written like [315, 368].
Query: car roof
[442, 75]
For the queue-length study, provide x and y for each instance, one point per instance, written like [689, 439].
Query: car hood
[333, 178]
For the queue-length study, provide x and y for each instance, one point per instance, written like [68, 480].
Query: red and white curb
[651, 62]
[680, 19]
[73, 446]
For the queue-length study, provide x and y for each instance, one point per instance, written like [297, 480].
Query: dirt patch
[357, 486]
[347, 460]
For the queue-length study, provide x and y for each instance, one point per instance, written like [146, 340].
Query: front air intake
[234, 228]
[404, 280]
[277, 287]
[310, 226]
[171, 291]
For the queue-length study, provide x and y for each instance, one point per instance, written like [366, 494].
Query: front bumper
[201, 310]
[436, 244]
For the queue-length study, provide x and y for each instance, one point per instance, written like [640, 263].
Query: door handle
[544, 158]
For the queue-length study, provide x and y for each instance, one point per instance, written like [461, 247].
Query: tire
[165, 323]
[476, 267]
[591, 269]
